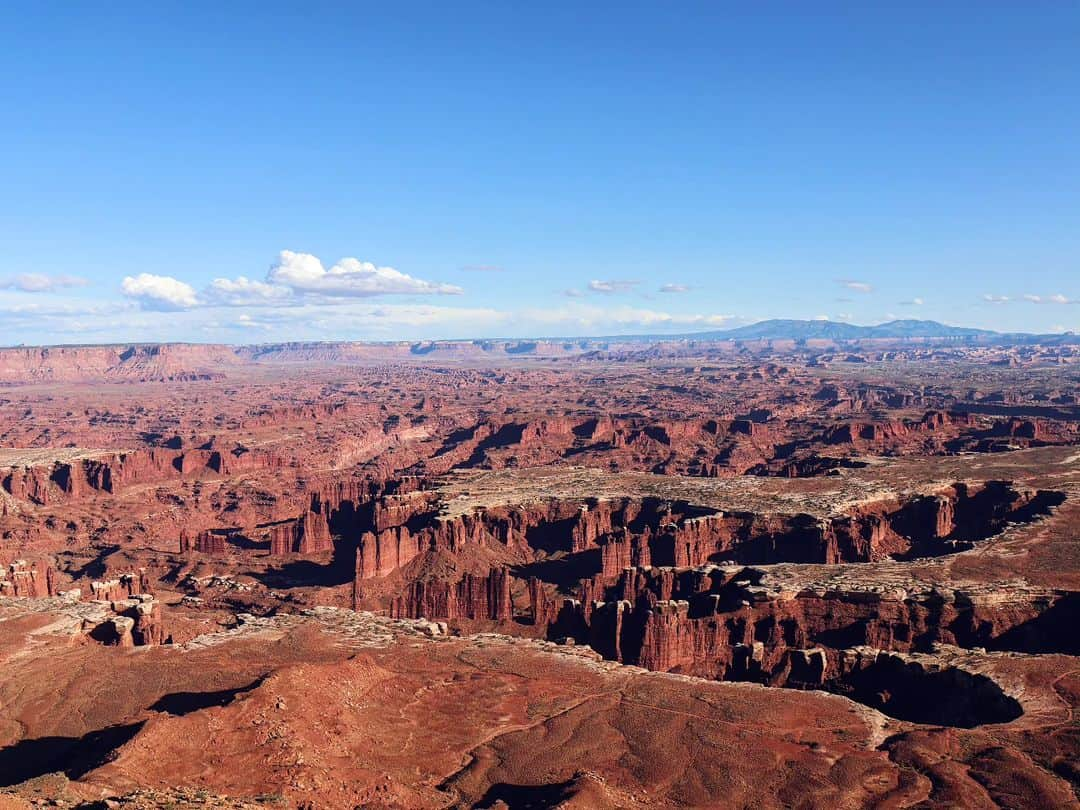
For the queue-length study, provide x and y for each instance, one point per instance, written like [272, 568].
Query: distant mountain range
[779, 329]
[789, 329]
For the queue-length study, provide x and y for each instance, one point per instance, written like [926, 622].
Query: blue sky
[274, 171]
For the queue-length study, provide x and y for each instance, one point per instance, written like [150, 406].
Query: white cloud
[821, 317]
[353, 318]
[159, 292]
[913, 302]
[1057, 298]
[996, 299]
[674, 288]
[320, 318]
[294, 278]
[857, 286]
[612, 286]
[348, 278]
[245, 321]
[41, 282]
[592, 318]
[243, 291]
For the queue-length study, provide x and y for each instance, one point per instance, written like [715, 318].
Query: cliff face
[715, 622]
[25, 579]
[472, 597]
[648, 591]
[109, 472]
[133, 363]
[773, 443]
[508, 531]
[649, 594]
[205, 542]
[120, 588]
[604, 537]
[308, 534]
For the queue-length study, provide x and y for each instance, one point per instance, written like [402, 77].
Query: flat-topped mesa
[918, 524]
[939, 432]
[123, 362]
[65, 479]
[509, 530]
[595, 541]
[1036, 429]
[1028, 432]
[772, 442]
[120, 587]
[676, 445]
[274, 415]
[399, 508]
[725, 622]
[554, 525]
[475, 597]
[23, 579]
[867, 435]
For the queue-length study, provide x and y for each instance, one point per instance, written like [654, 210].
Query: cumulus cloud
[294, 278]
[41, 282]
[349, 278]
[674, 288]
[611, 286]
[857, 286]
[321, 318]
[996, 299]
[1057, 298]
[159, 292]
[243, 291]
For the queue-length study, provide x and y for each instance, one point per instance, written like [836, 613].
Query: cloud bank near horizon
[300, 297]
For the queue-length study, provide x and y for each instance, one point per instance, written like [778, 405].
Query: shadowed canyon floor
[583, 575]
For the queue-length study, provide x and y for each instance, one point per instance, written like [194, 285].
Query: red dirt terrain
[537, 574]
